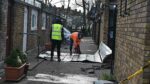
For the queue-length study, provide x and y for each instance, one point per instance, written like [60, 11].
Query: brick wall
[17, 28]
[3, 28]
[18, 25]
[146, 75]
[45, 33]
[132, 41]
[104, 23]
[42, 32]
[32, 39]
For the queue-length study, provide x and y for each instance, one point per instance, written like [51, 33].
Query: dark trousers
[77, 49]
[55, 43]
[71, 45]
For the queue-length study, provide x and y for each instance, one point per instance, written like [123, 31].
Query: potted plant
[24, 59]
[15, 66]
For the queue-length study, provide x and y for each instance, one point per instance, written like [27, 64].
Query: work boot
[59, 60]
[70, 53]
[51, 60]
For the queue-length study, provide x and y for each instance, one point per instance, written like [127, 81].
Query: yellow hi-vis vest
[56, 32]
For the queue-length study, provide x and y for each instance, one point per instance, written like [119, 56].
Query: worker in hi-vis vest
[75, 39]
[56, 37]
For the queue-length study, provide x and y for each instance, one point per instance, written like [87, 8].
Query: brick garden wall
[132, 41]
[43, 32]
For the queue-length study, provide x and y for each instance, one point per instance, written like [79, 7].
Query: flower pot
[14, 73]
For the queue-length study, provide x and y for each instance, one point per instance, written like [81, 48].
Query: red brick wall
[131, 35]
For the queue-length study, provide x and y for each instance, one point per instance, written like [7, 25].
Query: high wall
[17, 25]
[3, 28]
[132, 40]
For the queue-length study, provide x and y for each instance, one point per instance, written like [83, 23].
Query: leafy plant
[16, 58]
[22, 56]
[107, 77]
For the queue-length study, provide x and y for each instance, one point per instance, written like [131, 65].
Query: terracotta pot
[14, 73]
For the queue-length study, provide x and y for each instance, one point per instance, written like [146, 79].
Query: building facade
[127, 32]
[24, 25]
[133, 40]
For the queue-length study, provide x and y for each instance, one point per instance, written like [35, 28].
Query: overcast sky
[59, 3]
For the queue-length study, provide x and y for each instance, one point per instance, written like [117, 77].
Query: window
[43, 21]
[34, 20]
[124, 9]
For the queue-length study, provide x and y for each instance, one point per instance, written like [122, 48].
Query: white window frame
[43, 21]
[34, 17]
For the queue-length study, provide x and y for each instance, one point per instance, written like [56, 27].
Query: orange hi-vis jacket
[76, 40]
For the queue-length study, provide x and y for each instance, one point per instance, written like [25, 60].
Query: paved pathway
[64, 72]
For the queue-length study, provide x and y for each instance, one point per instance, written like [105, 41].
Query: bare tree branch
[68, 3]
[50, 1]
[58, 2]
[78, 4]
[86, 3]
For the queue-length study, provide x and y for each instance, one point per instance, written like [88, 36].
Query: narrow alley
[74, 41]
[64, 72]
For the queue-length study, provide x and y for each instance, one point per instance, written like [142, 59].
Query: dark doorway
[9, 28]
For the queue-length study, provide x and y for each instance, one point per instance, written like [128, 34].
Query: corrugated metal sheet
[74, 58]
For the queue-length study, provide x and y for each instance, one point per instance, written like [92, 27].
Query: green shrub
[22, 56]
[107, 77]
[15, 59]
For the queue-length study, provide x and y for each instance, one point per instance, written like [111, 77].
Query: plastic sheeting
[67, 34]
